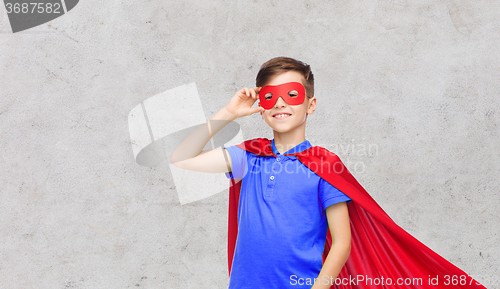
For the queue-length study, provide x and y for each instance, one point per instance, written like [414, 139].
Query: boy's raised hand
[241, 103]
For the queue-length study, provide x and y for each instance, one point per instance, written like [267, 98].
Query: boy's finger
[254, 94]
[257, 90]
[257, 109]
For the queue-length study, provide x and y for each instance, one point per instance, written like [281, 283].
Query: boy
[293, 195]
[284, 209]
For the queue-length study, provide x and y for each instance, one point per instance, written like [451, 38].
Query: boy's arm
[340, 229]
[189, 155]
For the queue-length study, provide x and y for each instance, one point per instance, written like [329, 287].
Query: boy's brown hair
[279, 65]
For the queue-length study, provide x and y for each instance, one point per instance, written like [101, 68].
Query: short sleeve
[330, 195]
[238, 162]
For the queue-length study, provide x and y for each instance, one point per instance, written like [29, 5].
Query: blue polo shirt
[281, 220]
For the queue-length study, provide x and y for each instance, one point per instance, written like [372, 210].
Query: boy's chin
[282, 128]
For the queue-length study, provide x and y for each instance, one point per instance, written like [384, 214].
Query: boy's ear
[312, 105]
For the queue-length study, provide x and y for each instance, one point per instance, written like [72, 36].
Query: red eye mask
[293, 93]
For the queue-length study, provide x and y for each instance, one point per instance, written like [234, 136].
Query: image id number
[32, 8]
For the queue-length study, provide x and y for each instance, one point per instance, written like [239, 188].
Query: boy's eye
[268, 95]
[293, 93]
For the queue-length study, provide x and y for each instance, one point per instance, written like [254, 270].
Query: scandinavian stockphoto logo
[26, 14]
[160, 123]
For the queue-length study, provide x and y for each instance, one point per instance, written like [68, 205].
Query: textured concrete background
[416, 80]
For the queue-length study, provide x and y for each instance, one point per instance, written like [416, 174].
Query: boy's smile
[281, 115]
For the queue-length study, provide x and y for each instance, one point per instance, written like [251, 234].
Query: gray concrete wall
[416, 80]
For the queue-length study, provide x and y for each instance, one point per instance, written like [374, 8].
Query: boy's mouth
[281, 115]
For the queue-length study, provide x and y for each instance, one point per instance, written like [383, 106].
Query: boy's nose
[280, 102]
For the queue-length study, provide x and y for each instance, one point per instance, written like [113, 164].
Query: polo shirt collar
[296, 149]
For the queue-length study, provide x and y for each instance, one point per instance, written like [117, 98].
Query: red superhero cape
[380, 249]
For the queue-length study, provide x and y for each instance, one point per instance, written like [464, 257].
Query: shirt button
[272, 178]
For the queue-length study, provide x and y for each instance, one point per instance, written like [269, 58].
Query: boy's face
[283, 117]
